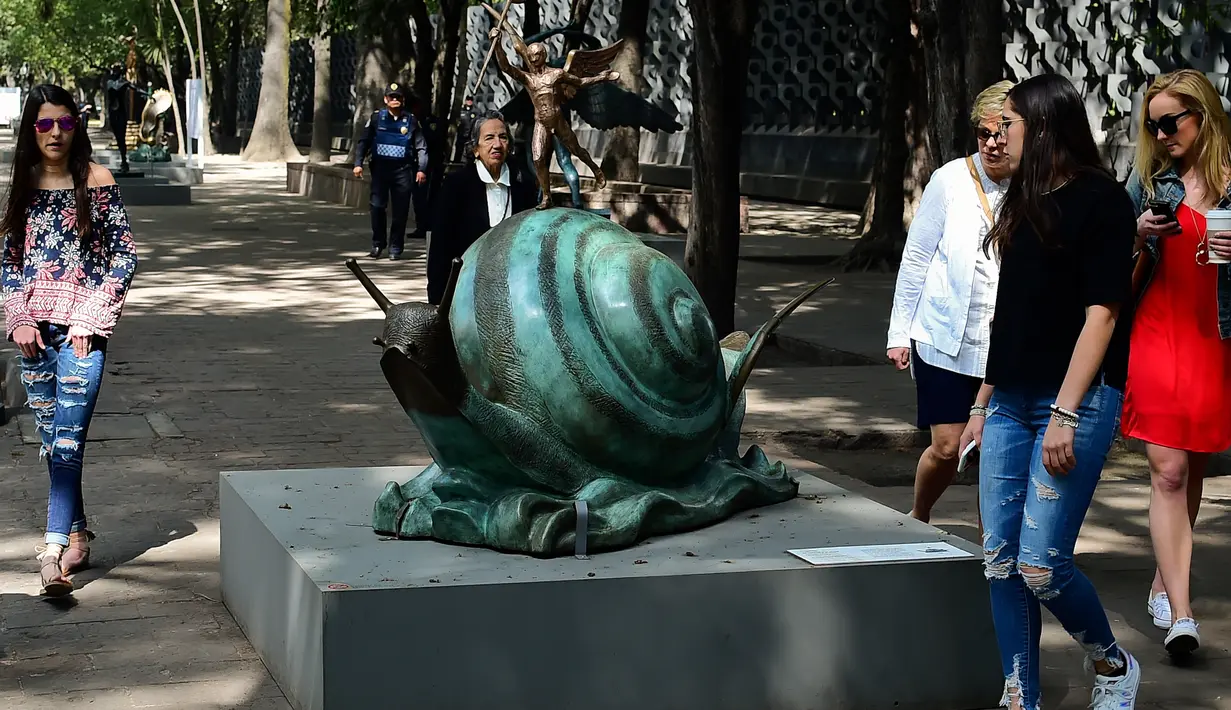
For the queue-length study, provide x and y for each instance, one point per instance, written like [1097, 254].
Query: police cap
[395, 89]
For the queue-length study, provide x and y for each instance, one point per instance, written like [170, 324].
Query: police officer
[398, 149]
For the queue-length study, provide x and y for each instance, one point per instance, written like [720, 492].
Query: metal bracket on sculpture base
[397, 520]
[583, 529]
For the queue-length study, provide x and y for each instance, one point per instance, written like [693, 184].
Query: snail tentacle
[381, 299]
[748, 359]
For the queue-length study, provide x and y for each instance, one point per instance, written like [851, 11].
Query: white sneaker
[1160, 608]
[1183, 638]
[1119, 693]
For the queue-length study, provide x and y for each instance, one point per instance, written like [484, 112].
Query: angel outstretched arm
[502, 59]
[583, 82]
[518, 43]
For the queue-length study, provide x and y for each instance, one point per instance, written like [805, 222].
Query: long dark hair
[1058, 145]
[27, 158]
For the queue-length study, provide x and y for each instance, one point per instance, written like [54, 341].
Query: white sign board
[195, 102]
[10, 105]
[866, 554]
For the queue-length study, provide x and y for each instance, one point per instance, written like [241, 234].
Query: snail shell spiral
[599, 341]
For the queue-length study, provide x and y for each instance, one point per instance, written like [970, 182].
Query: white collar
[486, 176]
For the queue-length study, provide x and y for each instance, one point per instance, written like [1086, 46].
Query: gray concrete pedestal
[717, 619]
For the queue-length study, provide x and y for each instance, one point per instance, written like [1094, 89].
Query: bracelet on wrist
[1065, 418]
[979, 411]
[1057, 409]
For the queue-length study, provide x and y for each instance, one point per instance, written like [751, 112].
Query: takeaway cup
[1217, 221]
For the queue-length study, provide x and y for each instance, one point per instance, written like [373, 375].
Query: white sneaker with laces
[1183, 638]
[1160, 609]
[1120, 692]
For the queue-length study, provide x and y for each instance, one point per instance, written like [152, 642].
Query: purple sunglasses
[67, 123]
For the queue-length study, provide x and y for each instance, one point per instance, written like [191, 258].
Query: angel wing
[585, 63]
[592, 62]
[607, 105]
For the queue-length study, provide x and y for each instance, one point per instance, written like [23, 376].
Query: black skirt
[943, 396]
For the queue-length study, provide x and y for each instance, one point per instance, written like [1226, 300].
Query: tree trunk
[383, 30]
[622, 160]
[956, 48]
[902, 142]
[425, 51]
[985, 48]
[722, 41]
[963, 55]
[207, 145]
[166, 71]
[192, 56]
[451, 12]
[463, 71]
[192, 73]
[229, 120]
[322, 102]
[271, 131]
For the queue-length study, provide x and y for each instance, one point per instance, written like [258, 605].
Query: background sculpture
[151, 134]
[119, 91]
[613, 390]
[548, 87]
[603, 106]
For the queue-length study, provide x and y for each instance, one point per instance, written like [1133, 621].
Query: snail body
[568, 361]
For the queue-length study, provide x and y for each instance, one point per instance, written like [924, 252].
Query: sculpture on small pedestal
[119, 90]
[152, 136]
[573, 394]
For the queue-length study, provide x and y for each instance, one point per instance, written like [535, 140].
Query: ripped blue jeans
[1031, 521]
[62, 390]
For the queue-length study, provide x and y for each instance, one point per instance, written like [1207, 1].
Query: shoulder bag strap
[974, 175]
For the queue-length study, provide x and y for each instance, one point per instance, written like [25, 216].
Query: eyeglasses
[66, 123]
[1001, 133]
[1169, 124]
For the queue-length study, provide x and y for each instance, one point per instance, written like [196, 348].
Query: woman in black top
[1050, 404]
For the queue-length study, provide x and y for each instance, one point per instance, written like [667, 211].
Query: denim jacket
[1170, 188]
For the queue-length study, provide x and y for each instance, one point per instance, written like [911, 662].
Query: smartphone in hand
[1161, 208]
[970, 457]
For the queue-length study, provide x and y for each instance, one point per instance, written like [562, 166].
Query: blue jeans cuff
[56, 539]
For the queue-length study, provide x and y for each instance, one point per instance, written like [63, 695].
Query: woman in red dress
[1178, 399]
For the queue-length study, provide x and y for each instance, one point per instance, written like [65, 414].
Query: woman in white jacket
[946, 291]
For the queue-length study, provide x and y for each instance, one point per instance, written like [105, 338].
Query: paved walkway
[246, 345]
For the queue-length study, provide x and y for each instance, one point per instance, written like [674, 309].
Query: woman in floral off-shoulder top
[65, 280]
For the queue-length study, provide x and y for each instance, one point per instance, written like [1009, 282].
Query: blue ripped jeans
[1031, 521]
[62, 390]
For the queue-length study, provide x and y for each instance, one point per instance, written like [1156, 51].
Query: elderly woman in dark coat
[476, 198]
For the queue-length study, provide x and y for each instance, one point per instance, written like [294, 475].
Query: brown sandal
[54, 582]
[77, 556]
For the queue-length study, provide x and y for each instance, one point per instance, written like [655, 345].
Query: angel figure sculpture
[549, 88]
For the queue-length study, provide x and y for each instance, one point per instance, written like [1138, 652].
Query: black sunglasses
[1169, 124]
[67, 123]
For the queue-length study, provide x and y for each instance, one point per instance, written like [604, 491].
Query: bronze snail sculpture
[570, 363]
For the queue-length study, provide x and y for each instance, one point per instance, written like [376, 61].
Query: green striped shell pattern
[600, 342]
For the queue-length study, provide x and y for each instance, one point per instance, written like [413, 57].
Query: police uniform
[398, 151]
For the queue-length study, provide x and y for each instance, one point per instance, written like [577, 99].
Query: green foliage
[72, 39]
[68, 38]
